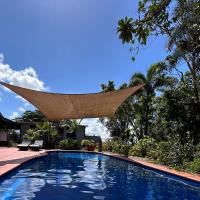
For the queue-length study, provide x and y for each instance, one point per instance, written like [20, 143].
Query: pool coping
[156, 167]
[5, 169]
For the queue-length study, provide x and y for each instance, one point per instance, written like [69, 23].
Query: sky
[67, 46]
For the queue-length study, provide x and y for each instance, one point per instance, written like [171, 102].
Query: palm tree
[110, 86]
[72, 125]
[125, 28]
[155, 79]
[48, 131]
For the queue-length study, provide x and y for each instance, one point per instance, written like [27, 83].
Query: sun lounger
[37, 145]
[24, 145]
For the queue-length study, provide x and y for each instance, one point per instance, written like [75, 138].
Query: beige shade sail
[75, 106]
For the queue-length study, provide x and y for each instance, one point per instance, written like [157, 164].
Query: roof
[75, 106]
[8, 124]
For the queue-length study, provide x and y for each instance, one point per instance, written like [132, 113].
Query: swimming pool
[81, 176]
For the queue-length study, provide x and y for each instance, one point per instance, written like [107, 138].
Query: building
[7, 126]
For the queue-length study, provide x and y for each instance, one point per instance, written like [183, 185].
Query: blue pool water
[81, 176]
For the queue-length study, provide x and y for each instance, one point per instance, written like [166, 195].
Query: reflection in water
[84, 176]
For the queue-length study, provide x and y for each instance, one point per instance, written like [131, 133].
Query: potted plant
[88, 145]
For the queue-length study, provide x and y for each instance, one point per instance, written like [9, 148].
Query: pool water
[81, 176]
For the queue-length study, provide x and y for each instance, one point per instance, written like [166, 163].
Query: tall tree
[32, 116]
[155, 79]
[133, 116]
[179, 20]
[118, 125]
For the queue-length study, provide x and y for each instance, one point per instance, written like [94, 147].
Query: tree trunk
[146, 122]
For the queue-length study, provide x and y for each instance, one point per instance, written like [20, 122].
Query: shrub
[142, 148]
[121, 147]
[108, 145]
[197, 151]
[192, 166]
[86, 143]
[174, 153]
[12, 144]
[153, 154]
[162, 152]
[116, 146]
[68, 144]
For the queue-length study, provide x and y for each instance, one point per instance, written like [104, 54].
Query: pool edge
[184, 175]
[148, 165]
[7, 168]
[160, 168]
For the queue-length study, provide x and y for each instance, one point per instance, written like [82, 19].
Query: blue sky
[67, 46]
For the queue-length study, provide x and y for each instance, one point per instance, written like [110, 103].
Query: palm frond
[137, 78]
[125, 27]
[155, 69]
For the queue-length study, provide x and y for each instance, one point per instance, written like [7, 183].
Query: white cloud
[94, 127]
[27, 77]
[14, 115]
[27, 104]
[22, 109]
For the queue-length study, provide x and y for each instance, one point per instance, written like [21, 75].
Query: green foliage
[108, 87]
[14, 137]
[162, 152]
[121, 147]
[108, 145]
[192, 166]
[174, 153]
[142, 148]
[177, 113]
[137, 111]
[156, 17]
[12, 144]
[116, 146]
[180, 22]
[197, 151]
[125, 29]
[118, 124]
[49, 133]
[73, 125]
[155, 80]
[168, 108]
[85, 143]
[32, 116]
[32, 134]
[68, 144]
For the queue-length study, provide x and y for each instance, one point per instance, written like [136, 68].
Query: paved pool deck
[11, 158]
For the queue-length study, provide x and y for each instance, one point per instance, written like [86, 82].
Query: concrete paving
[12, 157]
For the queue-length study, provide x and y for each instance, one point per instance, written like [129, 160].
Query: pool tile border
[4, 169]
[152, 166]
[157, 167]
